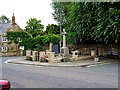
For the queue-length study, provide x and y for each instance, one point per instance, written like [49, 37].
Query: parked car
[113, 54]
[4, 85]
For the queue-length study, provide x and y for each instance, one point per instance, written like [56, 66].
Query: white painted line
[6, 61]
[91, 65]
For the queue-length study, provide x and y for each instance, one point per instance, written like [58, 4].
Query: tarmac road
[27, 76]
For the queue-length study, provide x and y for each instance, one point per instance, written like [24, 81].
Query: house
[8, 49]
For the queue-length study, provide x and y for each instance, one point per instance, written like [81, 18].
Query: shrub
[43, 59]
[65, 59]
[28, 58]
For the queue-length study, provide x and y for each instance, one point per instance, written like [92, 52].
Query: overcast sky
[26, 9]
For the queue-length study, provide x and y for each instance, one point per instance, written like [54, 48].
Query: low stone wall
[102, 49]
[85, 57]
[10, 54]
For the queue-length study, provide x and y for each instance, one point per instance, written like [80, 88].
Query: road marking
[6, 61]
[91, 65]
[53, 67]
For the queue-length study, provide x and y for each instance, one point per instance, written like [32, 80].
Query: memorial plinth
[64, 49]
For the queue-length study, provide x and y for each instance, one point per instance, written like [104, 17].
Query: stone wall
[102, 49]
[10, 54]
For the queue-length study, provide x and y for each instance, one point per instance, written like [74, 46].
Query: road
[28, 76]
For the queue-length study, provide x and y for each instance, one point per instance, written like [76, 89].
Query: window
[4, 39]
[19, 39]
[4, 49]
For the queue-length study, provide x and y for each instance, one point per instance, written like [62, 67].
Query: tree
[33, 37]
[51, 38]
[108, 28]
[60, 11]
[24, 36]
[92, 22]
[4, 19]
[80, 19]
[34, 27]
[52, 28]
[59, 14]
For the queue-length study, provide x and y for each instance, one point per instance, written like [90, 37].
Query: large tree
[60, 11]
[51, 38]
[26, 39]
[107, 29]
[33, 37]
[92, 22]
[52, 28]
[34, 27]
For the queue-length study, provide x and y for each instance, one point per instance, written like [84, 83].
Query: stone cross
[64, 38]
[64, 49]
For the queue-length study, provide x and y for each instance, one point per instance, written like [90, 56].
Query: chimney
[13, 20]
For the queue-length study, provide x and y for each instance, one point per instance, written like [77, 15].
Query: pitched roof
[3, 27]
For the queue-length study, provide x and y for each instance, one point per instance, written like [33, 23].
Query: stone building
[9, 49]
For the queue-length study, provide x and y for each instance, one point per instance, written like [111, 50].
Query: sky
[26, 9]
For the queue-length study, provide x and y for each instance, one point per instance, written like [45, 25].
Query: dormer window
[4, 39]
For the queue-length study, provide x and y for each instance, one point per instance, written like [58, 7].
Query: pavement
[80, 63]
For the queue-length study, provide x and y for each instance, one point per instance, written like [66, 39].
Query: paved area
[80, 63]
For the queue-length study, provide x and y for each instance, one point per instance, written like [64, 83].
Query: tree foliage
[54, 38]
[24, 36]
[4, 19]
[52, 28]
[91, 22]
[34, 27]
[60, 11]
[107, 29]
[33, 37]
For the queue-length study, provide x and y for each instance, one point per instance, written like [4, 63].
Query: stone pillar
[28, 52]
[96, 59]
[101, 52]
[93, 53]
[41, 54]
[47, 51]
[75, 55]
[50, 47]
[21, 52]
[51, 56]
[34, 58]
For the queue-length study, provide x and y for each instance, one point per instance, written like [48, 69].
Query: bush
[28, 58]
[43, 59]
[65, 59]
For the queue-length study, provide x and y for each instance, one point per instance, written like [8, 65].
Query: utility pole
[61, 22]
[60, 28]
